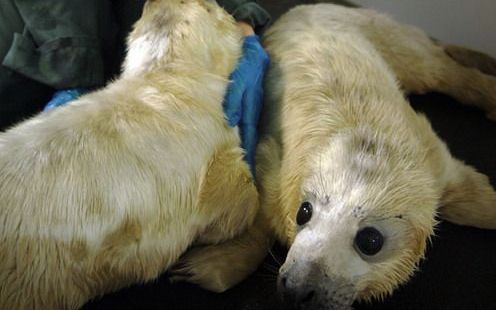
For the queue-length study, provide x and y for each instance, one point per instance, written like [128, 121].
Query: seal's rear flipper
[469, 199]
[471, 58]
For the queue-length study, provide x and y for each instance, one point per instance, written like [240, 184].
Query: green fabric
[61, 63]
[47, 44]
[60, 45]
[10, 23]
[248, 11]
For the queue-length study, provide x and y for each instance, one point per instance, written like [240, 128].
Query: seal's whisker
[272, 269]
[275, 258]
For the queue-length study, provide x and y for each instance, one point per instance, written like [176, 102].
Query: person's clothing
[62, 43]
[248, 11]
[47, 45]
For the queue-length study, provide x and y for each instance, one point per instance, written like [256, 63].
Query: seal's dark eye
[304, 213]
[369, 241]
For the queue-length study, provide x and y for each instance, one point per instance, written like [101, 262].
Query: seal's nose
[304, 285]
[293, 293]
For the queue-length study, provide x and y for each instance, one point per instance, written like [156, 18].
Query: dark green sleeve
[61, 44]
[248, 11]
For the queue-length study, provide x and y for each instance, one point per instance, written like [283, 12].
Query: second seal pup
[111, 189]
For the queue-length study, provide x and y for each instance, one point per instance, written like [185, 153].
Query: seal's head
[367, 209]
[191, 33]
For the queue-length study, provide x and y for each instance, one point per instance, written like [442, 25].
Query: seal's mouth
[314, 293]
[324, 305]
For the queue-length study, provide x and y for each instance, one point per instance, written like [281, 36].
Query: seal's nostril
[308, 297]
[283, 281]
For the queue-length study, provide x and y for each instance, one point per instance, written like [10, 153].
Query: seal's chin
[334, 302]
[327, 304]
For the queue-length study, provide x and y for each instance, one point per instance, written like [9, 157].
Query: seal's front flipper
[219, 267]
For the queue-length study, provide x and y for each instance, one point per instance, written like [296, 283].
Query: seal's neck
[172, 35]
[146, 53]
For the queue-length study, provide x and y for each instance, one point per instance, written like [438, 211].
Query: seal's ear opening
[468, 199]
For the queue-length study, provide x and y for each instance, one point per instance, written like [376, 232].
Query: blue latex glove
[243, 101]
[64, 96]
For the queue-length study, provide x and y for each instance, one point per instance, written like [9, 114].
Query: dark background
[459, 271]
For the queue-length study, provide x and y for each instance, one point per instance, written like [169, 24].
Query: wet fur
[111, 189]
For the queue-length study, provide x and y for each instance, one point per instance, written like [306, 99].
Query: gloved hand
[243, 101]
[64, 96]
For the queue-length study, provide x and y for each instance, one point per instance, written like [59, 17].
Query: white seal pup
[350, 177]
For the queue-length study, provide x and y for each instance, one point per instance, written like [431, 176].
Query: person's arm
[244, 97]
[246, 29]
[247, 11]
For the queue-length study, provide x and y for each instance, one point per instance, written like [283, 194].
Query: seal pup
[110, 190]
[350, 177]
